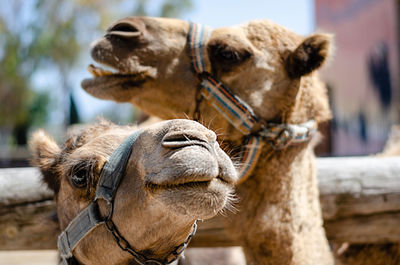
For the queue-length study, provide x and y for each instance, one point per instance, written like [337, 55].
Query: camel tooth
[92, 70]
[105, 72]
[97, 71]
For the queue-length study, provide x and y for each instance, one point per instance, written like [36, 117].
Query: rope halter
[237, 111]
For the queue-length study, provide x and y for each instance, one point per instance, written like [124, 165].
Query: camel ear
[44, 156]
[309, 55]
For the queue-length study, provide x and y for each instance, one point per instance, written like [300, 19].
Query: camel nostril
[124, 30]
[182, 139]
[123, 26]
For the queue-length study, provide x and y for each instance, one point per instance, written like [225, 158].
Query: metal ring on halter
[283, 139]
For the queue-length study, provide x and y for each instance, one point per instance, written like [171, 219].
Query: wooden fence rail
[360, 198]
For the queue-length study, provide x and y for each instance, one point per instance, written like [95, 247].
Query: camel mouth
[97, 71]
[184, 186]
[106, 77]
[169, 186]
[199, 199]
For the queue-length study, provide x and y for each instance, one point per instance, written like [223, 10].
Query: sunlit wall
[363, 76]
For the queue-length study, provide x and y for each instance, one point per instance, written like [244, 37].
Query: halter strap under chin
[238, 112]
[90, 218]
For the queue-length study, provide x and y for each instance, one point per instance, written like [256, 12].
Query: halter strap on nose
[237, 111]
[113, 171]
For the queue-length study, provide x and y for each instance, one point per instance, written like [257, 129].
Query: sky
[297, 15]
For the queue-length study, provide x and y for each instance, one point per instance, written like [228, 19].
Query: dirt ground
[42, 257]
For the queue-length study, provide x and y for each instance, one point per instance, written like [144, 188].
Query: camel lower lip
[194, 184]
[129, 80]
[188, 185]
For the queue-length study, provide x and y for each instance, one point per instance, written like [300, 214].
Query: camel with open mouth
[172, 174]
[263, 77]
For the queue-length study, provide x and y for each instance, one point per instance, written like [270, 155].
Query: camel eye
[225, 57]
[79, 178]
[229, 56]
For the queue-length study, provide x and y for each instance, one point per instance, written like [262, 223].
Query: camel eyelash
[226, 52]
[81, 175]
[225, 57]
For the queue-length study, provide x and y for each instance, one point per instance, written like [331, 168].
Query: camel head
[266, 65]
[176, 174]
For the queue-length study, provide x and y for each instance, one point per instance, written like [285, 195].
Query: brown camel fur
[270, 68]
[176, 174]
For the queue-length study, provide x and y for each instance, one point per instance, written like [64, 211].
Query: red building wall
[363, 75]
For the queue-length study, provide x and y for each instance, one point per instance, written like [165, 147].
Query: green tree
[47, 37]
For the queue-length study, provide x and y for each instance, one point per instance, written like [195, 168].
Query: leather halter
[238, 112]
[90, 217]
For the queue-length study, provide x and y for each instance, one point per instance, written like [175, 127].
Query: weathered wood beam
[22, 185]
[26, 211]
[360, 199]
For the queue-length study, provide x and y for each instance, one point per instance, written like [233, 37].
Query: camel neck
[278, 170]
[283, 188]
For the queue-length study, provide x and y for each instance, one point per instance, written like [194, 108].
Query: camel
[175, 174]
[272, 70]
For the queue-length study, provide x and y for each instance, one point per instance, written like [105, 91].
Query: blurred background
[44, 52]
